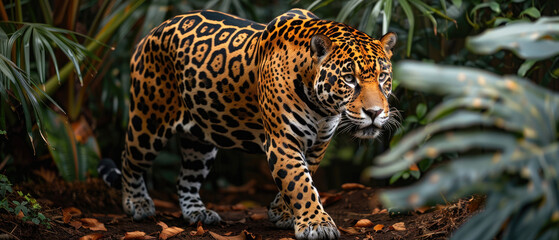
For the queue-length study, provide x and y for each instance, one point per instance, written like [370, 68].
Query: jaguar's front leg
[293, 178]
[278, 212]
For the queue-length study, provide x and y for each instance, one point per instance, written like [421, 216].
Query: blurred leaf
[73, 158]
[523, 69]
[411, 21]
[420, 110]
[532, 12]
[527, 40]
[395, 177]
[457, 3]
[415, 174]
[494, 6]
[348, 8]
[318, 4]
[425, 164]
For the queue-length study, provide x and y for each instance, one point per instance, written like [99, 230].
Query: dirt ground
[243, 210]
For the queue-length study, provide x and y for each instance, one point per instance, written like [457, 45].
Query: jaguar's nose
[373, 114]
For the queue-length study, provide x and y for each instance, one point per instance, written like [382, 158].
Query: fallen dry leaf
[423, 209]
[68, 213]
[251, 236]
[245, 235]
[93, 224]
[136, 235]
[239, 207]
[349, 230]
[76, 224]
[368, 237]
[168, 232]
[163, 225]
[364, 223]
[93, 236]
[399, 226]
[352, 186]
[258, 216]
[378, 227]
[199, 230]
[378, 211]
[329, 198]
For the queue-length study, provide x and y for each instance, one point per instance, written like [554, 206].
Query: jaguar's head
[354, 79]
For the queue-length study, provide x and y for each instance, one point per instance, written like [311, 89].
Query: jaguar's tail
[110, 173]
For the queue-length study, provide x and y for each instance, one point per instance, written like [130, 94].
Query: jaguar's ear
[388, 41]
[320, 46]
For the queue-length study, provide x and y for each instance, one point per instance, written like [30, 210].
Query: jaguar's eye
[350, 79]
[382, 76]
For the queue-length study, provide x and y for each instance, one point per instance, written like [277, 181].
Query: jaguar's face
[355, 81]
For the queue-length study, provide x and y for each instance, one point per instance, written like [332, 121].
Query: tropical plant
[28, 76]
[505, 130]
[29, 206]
[366, 14]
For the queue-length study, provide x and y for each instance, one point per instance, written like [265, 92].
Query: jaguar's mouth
[368, 132]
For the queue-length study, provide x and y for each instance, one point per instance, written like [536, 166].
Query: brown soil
[242, 208]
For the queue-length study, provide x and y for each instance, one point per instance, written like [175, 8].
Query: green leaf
[523, 69]
[495, 7]
[425, 164]
[347, 9]
[532, 12]
[313, 4]
[501, 20]
[420, 110]
[387, 15]
[457, 3]
[527, 40]
[323, 3]
[411, 21]
[406, 175]
[372, 21]
[415, 174]
[395, 177]
[73, 159]
[20, 207]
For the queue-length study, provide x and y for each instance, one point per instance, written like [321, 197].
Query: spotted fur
[219, 81]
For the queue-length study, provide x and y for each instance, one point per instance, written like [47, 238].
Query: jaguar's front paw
[139, 208]
[281, 216]
[203, 215]
[316, 230]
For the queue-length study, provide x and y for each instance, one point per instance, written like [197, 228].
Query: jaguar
[217, 81]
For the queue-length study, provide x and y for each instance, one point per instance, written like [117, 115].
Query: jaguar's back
[208, 59]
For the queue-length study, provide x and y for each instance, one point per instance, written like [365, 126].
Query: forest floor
[91, 210]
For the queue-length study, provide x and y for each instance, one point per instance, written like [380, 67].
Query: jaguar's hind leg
[197, 159]
[140, 150]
